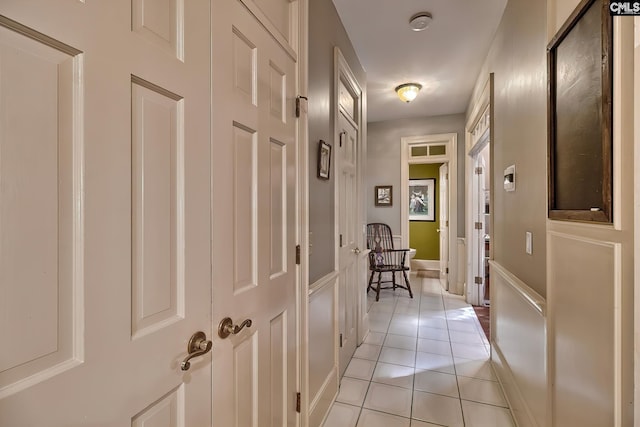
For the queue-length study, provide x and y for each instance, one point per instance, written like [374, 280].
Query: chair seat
[390, 267]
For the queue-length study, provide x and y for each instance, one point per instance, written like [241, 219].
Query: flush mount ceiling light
[420, 21]
[408, 91]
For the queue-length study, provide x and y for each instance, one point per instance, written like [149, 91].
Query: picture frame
[580, 88]
[422, 199]
[324, 160]
[384, 195]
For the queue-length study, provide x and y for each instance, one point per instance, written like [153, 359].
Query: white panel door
[254, 188]
[347, 161]
[480, 212]
[444, 225]
[104, 212]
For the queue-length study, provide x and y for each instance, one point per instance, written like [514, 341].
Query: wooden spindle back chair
[384, 258]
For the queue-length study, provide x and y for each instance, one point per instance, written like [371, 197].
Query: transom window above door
[422, 151]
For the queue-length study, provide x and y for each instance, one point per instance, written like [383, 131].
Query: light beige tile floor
[425, 363]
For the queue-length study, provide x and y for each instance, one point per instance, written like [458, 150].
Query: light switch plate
[529, 242]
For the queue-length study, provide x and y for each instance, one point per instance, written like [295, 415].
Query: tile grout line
[395, 304]
[453, 359]
[378, 361]
[415, 359]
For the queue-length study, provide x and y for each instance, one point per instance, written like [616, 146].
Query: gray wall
[518, 60]
[325, 32]
[383, 161]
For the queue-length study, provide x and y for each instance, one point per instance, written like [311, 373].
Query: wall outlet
[528, 243]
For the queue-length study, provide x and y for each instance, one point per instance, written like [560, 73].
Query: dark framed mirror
[580, 114]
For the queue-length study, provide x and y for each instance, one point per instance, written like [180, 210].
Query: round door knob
[356, 251]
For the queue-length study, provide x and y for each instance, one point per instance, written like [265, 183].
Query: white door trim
[473, 293]
[636, 263]
[302, 214]
[476, 139]
[451, 157]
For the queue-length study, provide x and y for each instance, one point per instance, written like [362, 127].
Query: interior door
[104, 212]
[444, 225]
[481, 217]
[254, 186]
[484, 240]
[348, 252]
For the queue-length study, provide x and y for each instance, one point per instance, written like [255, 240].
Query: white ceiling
[445, 58]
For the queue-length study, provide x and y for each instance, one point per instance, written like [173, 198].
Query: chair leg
[394, 280]
[406, 281]
[378, 290]
[370, 281]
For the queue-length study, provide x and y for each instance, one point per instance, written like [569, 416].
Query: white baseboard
[319, 407]
[425, 264]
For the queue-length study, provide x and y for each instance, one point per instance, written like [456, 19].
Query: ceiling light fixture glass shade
[408, 91]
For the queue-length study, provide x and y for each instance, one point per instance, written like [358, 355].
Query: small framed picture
[324, 160]
[384, 195]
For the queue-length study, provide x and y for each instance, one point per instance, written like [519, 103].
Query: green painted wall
[423, 235]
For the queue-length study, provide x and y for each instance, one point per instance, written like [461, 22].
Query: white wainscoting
[586, 329]
[425, 264]
[397, 241]
[323, 354]
[462, 266]
[518, 338]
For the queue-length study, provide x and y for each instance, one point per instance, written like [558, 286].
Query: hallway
[425, 363]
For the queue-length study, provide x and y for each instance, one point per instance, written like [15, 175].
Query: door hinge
[340, 340]
[478, 226]
[298, 254]
[298, 402]
[342, 134]
[298, 106]
[479, 170]
[341, 240]
[447, 223]
[446, 270]
[478, 280]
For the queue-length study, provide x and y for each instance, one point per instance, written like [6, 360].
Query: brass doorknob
[226, 327]
[356, 250]
[198, 345]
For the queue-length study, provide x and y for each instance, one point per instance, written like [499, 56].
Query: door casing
[451, 158]
[475, 141]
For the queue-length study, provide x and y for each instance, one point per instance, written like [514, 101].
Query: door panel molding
[43, 81]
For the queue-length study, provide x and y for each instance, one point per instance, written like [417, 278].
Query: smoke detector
[420, 21]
